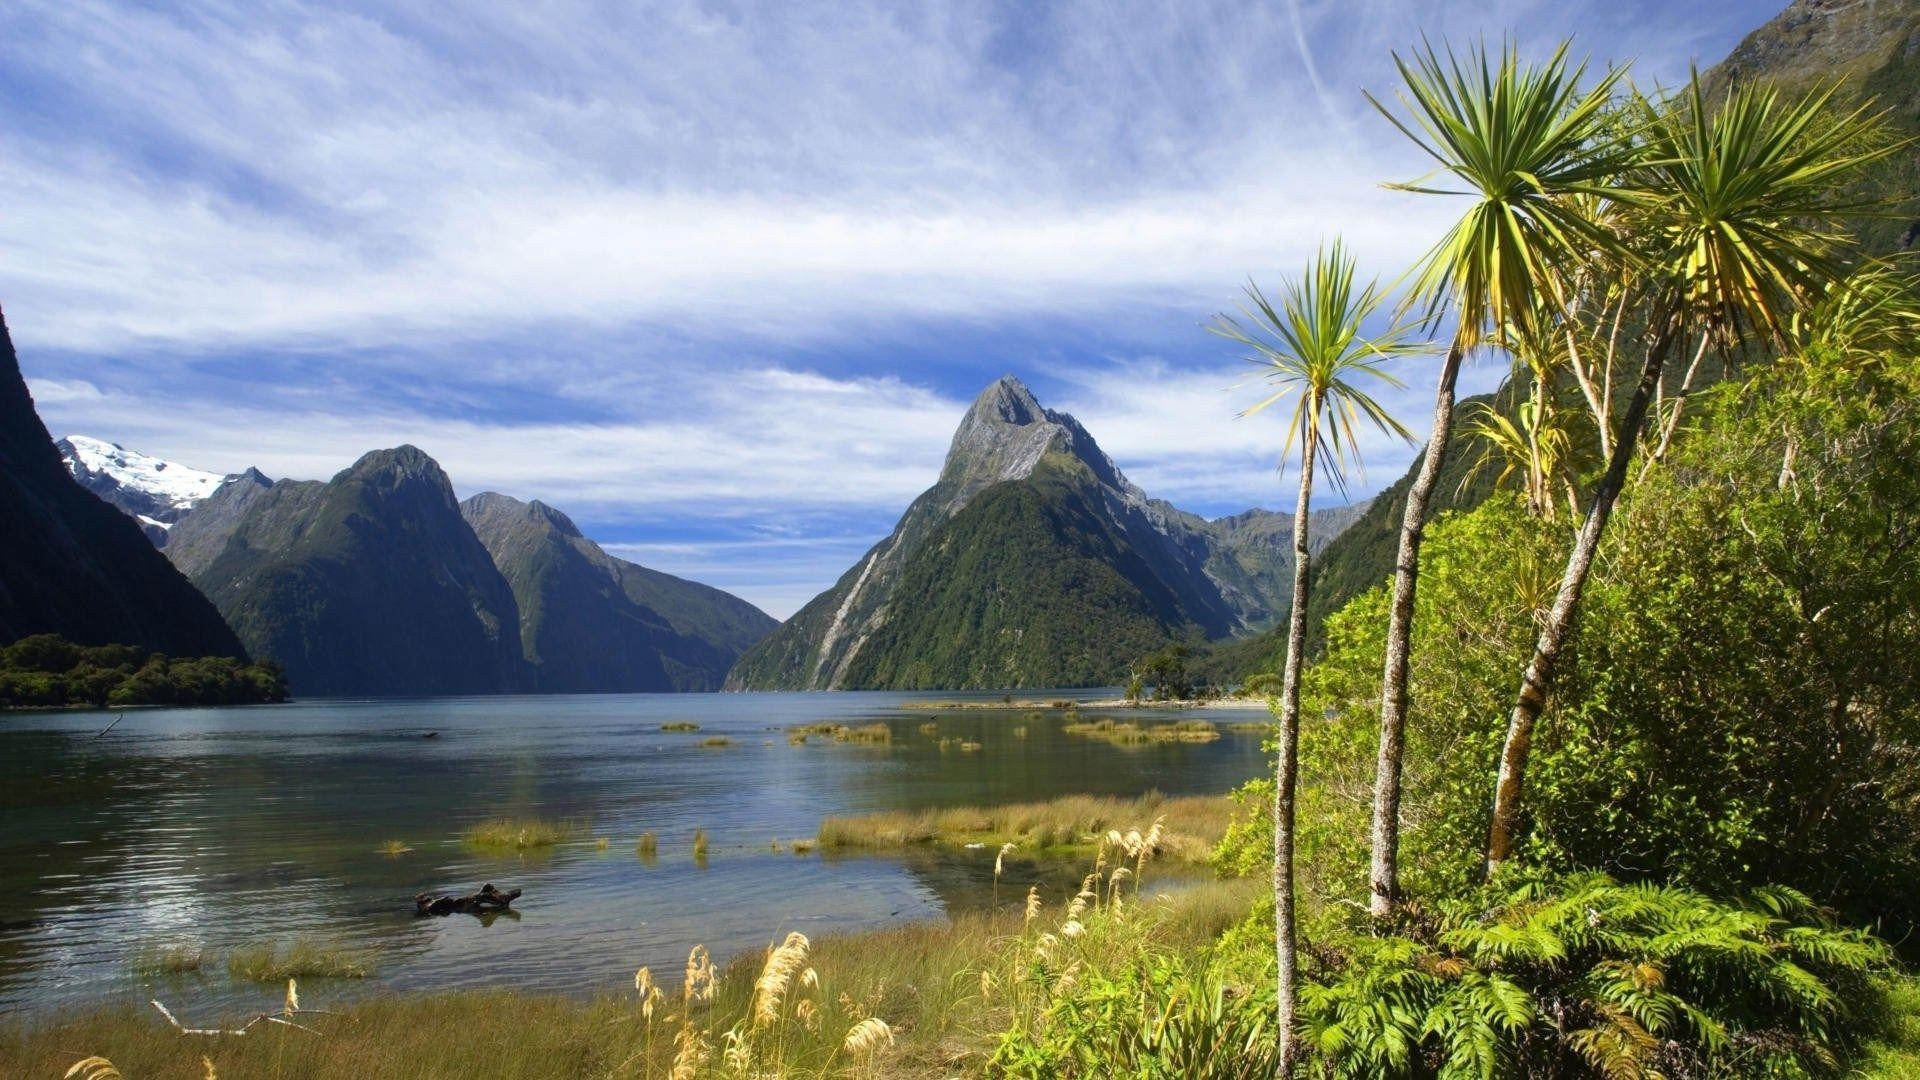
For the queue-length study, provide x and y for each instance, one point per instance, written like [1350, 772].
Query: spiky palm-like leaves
[1535, 150]
[1314, 347]
[1735, 222]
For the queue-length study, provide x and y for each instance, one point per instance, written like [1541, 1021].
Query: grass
[716, 741]
[1193, 824]
[647, 846]
[699, 843]
[519, 834]
[924, 981]
[1895, 1054]
[394, 847]
[155, 960]
[680, 725]
[1129, 733]
[303, 959]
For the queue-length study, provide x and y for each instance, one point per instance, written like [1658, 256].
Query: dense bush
[1736, 710]
[48, 671]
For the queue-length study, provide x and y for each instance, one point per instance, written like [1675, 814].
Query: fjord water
[218, 828]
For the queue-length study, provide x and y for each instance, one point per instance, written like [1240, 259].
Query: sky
[717, 279]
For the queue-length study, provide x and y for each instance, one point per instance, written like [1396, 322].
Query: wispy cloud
[676, 264]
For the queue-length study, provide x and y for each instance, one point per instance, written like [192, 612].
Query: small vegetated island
[48, 671]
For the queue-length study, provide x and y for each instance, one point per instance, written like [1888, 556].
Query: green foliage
[1157, 1017]
[1590, 978]
[1736, 706]
[48, 671]
[1164, 675]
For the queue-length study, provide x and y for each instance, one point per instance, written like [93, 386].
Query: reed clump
[520, 834]
[716, 741]
[302, 959]
[699, 843]
[647, 846]
[680, 725]
[392, 848]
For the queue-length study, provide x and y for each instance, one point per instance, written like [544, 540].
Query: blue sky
[716, 279]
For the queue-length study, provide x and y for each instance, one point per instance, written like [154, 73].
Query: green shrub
[1590, 978]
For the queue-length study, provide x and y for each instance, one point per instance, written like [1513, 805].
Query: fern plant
[1590, 978]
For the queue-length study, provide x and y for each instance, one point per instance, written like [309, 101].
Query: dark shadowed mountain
[75, 566]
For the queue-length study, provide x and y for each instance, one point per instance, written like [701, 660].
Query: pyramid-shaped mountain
[1032, 562]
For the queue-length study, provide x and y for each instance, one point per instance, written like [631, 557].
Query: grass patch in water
[716, 741]
[304, 959]
[680, 725]
[866, 733]
[1128, 733]
[519, 834]
[154, 960]
[1193, 824]
[394, 847]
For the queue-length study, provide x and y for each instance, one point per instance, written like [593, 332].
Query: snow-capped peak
[171, 486]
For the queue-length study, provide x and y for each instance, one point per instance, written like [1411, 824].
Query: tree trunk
[1393, 685]
[1558, 626]
[1287, 769]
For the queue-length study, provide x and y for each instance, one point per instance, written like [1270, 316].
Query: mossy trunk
[1385, 875]
[1287, 768]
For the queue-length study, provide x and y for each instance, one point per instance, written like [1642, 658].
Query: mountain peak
[1007, 431]
[1008, 400]
[492, 503]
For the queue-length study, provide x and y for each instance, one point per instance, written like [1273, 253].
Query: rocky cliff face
[1029, 520]
[72, 565]
[592, 622]
[368, 584]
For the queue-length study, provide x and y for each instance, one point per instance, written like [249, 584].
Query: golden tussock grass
[394, 847]
[680, 725]
[1192, 825]
[716, 741]
[520, 833]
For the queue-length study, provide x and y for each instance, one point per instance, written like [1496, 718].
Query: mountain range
[379, 582]
[1032, 561]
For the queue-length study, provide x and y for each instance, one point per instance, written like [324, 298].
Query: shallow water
[225, 827]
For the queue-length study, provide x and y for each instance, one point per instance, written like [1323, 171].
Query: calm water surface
[222, 827]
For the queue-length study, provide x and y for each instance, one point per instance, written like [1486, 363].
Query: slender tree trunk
[1393, 685]
[1679, 407]
[1287, 770]
[1558, 626]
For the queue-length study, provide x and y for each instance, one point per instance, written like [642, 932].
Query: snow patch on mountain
[171, 484]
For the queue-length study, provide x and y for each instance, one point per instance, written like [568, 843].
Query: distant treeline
[47, 670]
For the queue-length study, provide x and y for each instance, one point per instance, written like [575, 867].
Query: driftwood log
[487, 900]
